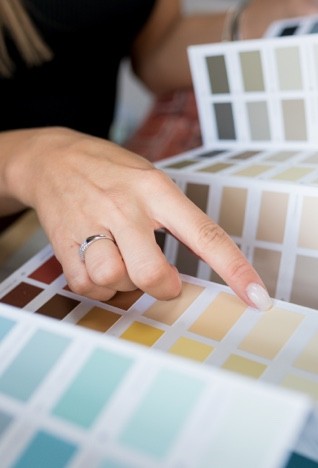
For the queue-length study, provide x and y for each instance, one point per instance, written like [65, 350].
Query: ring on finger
[90, 240]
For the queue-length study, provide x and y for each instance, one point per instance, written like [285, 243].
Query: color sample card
[70, 397]
[207, 323]
[267, 201]
[263, 91]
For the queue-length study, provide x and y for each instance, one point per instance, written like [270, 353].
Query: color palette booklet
[257, 172]
[202, 380]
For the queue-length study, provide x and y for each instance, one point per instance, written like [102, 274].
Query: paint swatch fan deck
[199, 381]
[202, 380]
[257, 172]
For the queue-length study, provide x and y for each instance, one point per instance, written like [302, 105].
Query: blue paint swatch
[96, 382]
[5, 326]
[5, 421]
[46, 450]
[155, 425]
[32, 364]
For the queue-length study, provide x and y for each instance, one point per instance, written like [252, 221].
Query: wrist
[232, 25]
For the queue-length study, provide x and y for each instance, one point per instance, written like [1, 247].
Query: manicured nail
[259, 296]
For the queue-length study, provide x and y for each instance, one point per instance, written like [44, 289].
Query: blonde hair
[15, 21]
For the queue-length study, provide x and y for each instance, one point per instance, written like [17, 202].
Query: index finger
[212, 244]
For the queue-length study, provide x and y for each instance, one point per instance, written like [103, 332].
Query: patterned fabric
[171, 127]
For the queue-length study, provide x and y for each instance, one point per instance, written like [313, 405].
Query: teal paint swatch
[46, 450]
[93, 386]
[32, 364]
[5, 421]
[156, 423]
[5, 326]
[111, 463]
[299, 461]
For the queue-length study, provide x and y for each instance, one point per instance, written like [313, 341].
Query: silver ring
[90, 240]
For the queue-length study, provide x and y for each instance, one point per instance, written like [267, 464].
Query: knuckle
[238, 268]
[103, 276]
[79, 284]
[211, 235]
[149, 276]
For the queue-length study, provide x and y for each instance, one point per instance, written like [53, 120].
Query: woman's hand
[82, 186]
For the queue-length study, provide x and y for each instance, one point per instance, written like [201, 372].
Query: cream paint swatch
[244, 366]
[219, 317]
[272, 217]
[301, 384]
[308, 359]
[232, 210]
[169, 312]
[271, 333]
[267, 264]
[308, 231]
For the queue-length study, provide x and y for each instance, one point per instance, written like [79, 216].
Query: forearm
[166, 67]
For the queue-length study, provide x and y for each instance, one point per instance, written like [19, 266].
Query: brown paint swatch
[58, 307]
[99, 319]
[21, 295]
[124, 300]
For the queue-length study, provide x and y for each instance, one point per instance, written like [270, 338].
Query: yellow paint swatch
[99, 319]
[271, 332]
[308, 359]
[252, 171]
[191, 349]
[293, 174]
[303, 385]
[244, 366]
[169, 311]
[219, 317]
[142, 333]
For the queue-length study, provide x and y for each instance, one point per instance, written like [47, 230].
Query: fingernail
[259, 296]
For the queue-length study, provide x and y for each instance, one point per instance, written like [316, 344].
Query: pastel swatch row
[207, 324]
[72, 398]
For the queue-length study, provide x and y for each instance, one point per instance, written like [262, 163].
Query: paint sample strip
[260, 90]
[190, 339]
